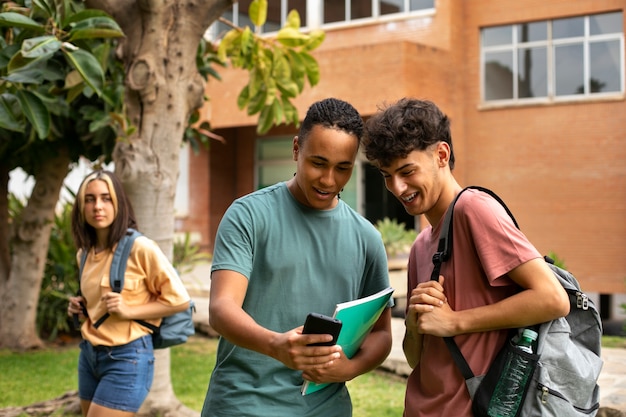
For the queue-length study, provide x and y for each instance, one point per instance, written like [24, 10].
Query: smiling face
[418, 179]
[325, 160]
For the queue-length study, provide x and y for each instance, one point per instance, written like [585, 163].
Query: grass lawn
[32, 377]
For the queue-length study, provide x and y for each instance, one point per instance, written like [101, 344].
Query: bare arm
[542, 299]
[227, 317]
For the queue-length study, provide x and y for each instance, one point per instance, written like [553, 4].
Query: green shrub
[60, 279]
[396, 238]
[186, 254]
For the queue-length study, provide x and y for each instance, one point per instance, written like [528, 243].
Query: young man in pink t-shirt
[494, 281]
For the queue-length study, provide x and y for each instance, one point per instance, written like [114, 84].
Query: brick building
[534, 90]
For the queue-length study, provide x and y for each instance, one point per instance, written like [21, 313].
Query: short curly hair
[404, 127]
[332, 113]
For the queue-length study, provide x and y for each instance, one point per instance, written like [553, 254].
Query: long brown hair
[84, 234]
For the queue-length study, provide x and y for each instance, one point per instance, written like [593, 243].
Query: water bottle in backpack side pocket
[517, 371]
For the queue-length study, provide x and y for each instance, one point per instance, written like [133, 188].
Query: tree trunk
[30, 239]
[163, 87]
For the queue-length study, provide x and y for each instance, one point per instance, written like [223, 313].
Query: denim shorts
[117, 377]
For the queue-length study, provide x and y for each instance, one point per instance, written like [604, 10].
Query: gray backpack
[567, 358]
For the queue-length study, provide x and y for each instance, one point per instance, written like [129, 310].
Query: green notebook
[358, 318]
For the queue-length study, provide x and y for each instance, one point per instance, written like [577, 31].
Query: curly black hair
[404, 127]
[332, 113]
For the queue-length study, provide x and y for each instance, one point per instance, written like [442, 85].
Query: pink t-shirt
[486, 246]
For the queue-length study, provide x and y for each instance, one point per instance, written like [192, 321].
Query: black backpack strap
[444, 250]
[118, 266]
[83, 259]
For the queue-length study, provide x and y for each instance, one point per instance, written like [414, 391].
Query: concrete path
[612, 379]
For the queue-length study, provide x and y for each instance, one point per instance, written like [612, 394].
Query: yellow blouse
[149, 276]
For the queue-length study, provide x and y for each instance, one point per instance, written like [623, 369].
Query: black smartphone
[317, 323]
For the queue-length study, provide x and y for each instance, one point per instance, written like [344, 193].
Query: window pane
[275, 149]
[532, 72]
[568, 28]
[499, 76]
[360, 9]
[568, 65]
[500, 35]
[421, 4]
[271, 174]
[334, 11]
[272, 24]
[531, 32]
[605, 23]
[604, 66]
[391, 6]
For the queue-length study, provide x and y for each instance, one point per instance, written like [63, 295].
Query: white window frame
[550, 44]
[315, 16]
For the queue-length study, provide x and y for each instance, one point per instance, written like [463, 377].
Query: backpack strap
[83, 259]
[118, 266]
[444, 249]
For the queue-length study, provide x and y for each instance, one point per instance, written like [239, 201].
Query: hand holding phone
[317, 323]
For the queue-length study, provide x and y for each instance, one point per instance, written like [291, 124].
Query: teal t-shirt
[298, 260]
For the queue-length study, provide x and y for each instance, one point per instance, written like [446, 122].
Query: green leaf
[257, 81]
[244, 98]
[291, 37]
[293, 19]
[12, 19]
[266, 120]
[28, 76]
[7, 53]
[316, 37]
[9, 106]
[257, 102]
[36, 112]
[280, 68]
[311, 67]
[277, 110]
[83, 15]
[45, 7]
[20, 63]
[288, 88]
[272, 91]
[40, 46]
[95, 28]
[227, 44]
[88, 67]
[258, 12]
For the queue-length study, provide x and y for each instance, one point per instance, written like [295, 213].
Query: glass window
[569, 71]
[532, 78]
[532, 32]
[568, 28]
[499, 72]
[499, 35]
[421, 4]
[391, 6]
[334, 11]
[575, 56]
[274, 161]
[604, 67]
[606, 23]
[360, 9]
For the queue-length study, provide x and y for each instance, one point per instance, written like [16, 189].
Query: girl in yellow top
[116, 362]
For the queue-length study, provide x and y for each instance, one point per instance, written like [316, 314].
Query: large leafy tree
[53, 97]
[164, 89]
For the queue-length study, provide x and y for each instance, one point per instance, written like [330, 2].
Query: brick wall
[560, 167]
